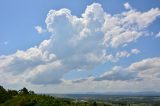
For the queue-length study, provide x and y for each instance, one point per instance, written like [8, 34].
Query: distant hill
[96, 94]
[146, 93]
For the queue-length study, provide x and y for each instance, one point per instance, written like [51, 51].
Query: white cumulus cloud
[77, 43]
[142, 70]
[39, 29]
[127, 5]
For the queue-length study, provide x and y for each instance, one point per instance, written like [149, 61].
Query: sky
[60, 46]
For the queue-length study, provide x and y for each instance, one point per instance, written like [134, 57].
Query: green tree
[24, 91]
[4, 95]
[13, 92]
[94, 104]
[31, 92]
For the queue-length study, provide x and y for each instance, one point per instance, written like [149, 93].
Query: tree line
[8, 94]
[25, 97]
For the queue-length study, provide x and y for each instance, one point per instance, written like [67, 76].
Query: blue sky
[90, 43]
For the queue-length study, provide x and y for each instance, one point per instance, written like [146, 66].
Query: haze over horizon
[80, 46]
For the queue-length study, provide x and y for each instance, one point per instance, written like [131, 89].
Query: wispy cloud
[158, 35]
[6, 43]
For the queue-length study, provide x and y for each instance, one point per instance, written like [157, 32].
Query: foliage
[13, 92]
[24, 91]
[29, 98]
[4, 95]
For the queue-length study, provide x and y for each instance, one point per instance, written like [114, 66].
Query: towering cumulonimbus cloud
[78, 43]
